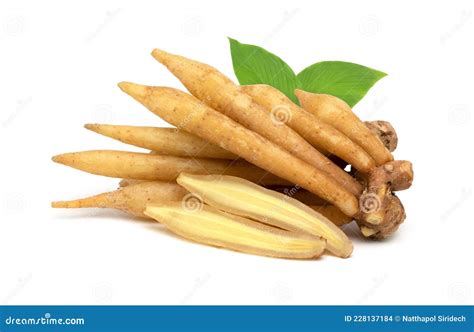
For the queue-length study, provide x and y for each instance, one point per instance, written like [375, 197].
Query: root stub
[384, 221]
[381, 212]
[385, 132]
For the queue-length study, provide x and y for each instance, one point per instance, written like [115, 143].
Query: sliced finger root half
[241, 197]
[210, 226]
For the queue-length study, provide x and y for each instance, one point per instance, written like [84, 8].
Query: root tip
[91, 126]
[136, 91]
[58, 158]
[159, 54]
[125, 86]
[57, 204]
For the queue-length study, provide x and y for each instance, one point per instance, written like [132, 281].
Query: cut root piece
[243, 198]
[337, 113]
[131, 199]
[165, 141]
[210, 226]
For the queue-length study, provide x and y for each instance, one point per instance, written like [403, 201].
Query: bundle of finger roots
[245, 168]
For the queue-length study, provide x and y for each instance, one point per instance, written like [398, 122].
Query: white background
[59, 67]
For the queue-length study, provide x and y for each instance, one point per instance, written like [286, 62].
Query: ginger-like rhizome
[380, 210]
[220, 122]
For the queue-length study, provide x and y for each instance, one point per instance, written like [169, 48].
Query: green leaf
[348, 81]
[255, 65]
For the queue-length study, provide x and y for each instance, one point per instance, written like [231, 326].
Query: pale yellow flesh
[336, 112]
[216, 228]
[166, 141]
[246, 199]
